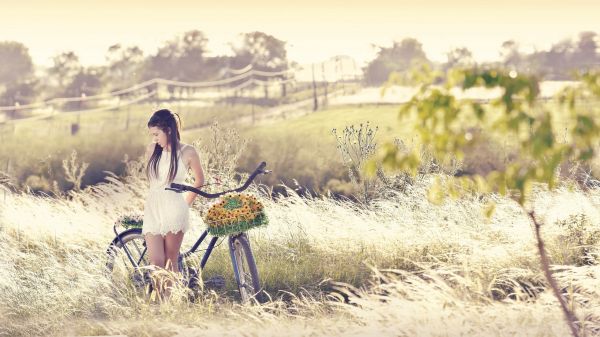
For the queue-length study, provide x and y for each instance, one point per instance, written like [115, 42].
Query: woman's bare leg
[172, 247]
[156, 253]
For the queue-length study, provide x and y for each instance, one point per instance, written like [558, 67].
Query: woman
[166, 213]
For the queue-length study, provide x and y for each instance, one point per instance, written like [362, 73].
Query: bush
[581, 238]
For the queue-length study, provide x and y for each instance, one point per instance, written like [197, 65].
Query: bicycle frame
[211, 245]
[192, 250]
[208, 250]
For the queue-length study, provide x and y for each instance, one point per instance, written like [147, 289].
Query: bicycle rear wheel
[128, 254]
[127, 257]
[244, 268]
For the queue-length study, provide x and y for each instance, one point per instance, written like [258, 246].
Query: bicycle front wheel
[244, 268]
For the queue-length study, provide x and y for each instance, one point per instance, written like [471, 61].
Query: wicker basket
[235, 213]
[130, 221]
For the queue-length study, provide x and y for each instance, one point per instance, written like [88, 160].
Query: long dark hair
[165, 120]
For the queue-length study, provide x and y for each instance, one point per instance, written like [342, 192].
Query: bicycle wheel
[127, 254]
[134, 264]
[244, 268]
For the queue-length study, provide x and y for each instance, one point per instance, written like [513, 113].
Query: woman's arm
[198, 173]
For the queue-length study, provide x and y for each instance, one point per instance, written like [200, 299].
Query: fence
[242, 85]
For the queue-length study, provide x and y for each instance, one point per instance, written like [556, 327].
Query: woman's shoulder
[187, 152]
[187, 149]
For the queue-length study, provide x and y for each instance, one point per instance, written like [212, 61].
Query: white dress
[166, 211]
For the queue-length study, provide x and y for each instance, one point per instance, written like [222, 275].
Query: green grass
[304, 148]
[36, 148]
[135, 116]
[316, 127]
[299, 149]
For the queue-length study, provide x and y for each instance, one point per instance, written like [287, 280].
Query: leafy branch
[445, 125]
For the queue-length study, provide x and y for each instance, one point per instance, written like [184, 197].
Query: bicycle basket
[130, 221]
[235, 213]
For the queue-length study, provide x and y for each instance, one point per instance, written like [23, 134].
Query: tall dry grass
[400, 267]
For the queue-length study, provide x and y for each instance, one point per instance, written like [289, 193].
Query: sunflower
[235, 213]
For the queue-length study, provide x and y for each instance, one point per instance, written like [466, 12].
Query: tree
[585, 56]
[163, 63]
[22, 93]
[124, 65]
[557, 61]
[263, 51]
[399, 58]
[65, 66]
[510, 54]
[182, 58]
[15, 63]
[192, 60]
[19, 93]
[87, 82]
[459, 57]
[444, 124]
[560, 56]
[566, 57]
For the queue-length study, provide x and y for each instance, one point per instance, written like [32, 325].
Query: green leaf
[489, 209]
[435, 194]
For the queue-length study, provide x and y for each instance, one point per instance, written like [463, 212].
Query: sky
[314, 30]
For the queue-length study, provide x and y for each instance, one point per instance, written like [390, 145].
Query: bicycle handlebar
[179, 188]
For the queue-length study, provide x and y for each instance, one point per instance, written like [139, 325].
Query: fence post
[157, 94]
[315, 100]
[7, 169]
[127, 120]
[283, 85]
[75, 126]
[325, 83]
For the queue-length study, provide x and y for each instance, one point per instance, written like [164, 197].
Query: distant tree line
[187, 58]
[184, 58]
[560, 62]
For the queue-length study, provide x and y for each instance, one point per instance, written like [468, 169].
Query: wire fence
[247, 83]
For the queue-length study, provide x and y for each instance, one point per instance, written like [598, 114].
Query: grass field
[411, 268]
[300, 148]
[304, 149]
[37, 148]
[399, 266]
[33, 150]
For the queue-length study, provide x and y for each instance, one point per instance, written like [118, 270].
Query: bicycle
[132, 243]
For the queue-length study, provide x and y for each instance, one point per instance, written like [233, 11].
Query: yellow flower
[220, 216]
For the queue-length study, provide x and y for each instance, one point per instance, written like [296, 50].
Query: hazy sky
[314, 29]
